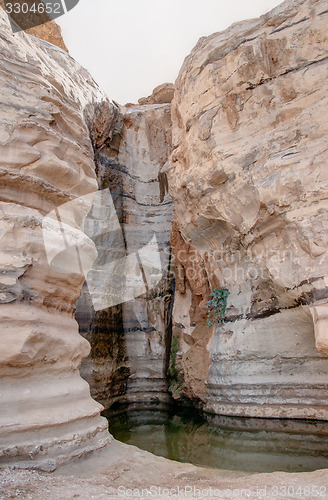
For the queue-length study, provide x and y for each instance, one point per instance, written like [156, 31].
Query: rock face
[162, 94]
[248, 176]
[50, 31]
[129, 355]
[47, 100]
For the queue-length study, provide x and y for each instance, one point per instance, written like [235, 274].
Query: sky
[131, 46]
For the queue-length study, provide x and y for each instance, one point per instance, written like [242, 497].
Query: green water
[244, 444]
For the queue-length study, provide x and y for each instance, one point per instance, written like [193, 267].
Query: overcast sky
[131, 46]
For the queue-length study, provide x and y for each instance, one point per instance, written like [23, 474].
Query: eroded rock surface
[163, 94]
[248, 176]
[129, 355]
[46, 155]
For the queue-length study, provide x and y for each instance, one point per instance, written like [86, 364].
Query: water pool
[244, 444]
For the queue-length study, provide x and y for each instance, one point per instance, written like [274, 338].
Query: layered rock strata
[50, 107]
[248, 176]
[129, 339]
[249, 179]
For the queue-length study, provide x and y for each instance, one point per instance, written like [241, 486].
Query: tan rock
[163, 94]
[50, 32]
[128, 359]
[248, 175]
[47, 414]
[320, 319]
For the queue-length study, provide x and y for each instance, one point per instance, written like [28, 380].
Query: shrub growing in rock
[217, 306]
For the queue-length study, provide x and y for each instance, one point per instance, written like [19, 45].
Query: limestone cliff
[248, 175]
[51, 114]
[129, 354]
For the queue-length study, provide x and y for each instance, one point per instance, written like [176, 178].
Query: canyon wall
[52, 114]
[248, 175]
[84, 188]
[130, 340]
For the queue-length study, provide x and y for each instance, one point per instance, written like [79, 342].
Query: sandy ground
[122, 471]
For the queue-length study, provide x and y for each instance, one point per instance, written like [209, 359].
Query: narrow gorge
[118, 222]
[129, 355]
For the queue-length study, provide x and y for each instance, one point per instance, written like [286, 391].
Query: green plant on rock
[217, 306]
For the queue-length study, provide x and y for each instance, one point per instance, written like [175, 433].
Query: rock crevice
[129, 359]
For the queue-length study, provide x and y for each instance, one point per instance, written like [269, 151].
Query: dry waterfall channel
[123, 227]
